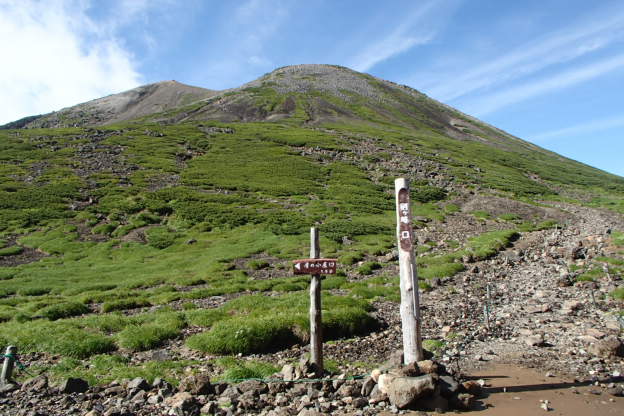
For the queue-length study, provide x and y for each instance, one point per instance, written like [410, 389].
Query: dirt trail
[513, 390]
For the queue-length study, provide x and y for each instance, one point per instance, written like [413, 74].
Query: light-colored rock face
[131, 104]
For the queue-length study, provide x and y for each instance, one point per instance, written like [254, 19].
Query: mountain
[132, 104]
[162, 221]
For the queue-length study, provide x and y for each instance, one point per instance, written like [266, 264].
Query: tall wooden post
[410, 302]
[316, 322]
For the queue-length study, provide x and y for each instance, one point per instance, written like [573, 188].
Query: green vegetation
[193, 210]
[235, 369]
[618, 293]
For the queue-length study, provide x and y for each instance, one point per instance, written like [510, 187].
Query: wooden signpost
[410, 302]
[316, 267]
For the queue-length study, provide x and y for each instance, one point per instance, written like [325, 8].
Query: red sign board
[315, 266]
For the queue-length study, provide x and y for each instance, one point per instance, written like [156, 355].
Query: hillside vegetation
[180, 226]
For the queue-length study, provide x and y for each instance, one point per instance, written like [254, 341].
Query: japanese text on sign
[405, 226]
[314, 266]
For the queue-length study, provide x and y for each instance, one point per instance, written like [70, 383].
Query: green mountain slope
[161, 213]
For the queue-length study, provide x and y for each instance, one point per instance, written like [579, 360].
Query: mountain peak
[137, 102]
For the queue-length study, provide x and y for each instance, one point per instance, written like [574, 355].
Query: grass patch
[11, 251]
[256, 323]
[236, 370]
[102, 369]
[63, 310]
[123, 304]
[618, 293]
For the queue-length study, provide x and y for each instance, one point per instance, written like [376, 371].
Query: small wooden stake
[7, 366]
[410, 302]
[316, 321]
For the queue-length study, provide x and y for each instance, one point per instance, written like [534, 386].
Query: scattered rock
[609, 347]
[405, 391]
[74, 385]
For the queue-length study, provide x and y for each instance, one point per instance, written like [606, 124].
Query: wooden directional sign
[315, 266]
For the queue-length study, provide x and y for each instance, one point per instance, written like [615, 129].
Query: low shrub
[34, 291]
[160, 237]
[440, 270]
[257, 264]
[350, 258]
[368, 267]
[63, 310]
[59, 337]
[11, 251]
[123, 304]
[146, 337]
[237, 370]
[246, 335]
[509, 217]
[618, 293]
[482, 215]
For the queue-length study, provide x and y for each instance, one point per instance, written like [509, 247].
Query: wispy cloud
[55, 56]
[244, 48]
[489, 103]
[595, 33]
[581, 129]
[415, 29]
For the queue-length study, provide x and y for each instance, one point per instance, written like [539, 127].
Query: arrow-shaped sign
[315, 266]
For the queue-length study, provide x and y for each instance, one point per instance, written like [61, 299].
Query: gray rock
[35, 384]
[74, 385]
[463, 401]
[448, 386]
[182, 404]
[138, 383]
[405, 391]
[288, 372]
[196, 384]
[255, 386]
[377, 396]
[609, 347]
[359, 402]
[367, 386]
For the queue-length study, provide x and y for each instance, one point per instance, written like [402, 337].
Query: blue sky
[548, 71]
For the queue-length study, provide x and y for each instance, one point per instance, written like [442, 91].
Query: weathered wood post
[410, 302]
[7, 366]
[316, 321]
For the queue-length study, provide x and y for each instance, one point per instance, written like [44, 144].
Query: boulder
[288, 372]
[138, 383]
[427, 367]
[367, 386]
[254, 386]
[448, 386]
[182, 404]
[405, 391]
[609, 347]
[74, 385]
[196, 384]
[384, 381]
[463, 401]
[35, 384]
[377, 396]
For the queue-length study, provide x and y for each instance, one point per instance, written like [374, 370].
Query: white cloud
[415, 29]
[581, 129]
[55, 56]
[492, 102]
[595, 33]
